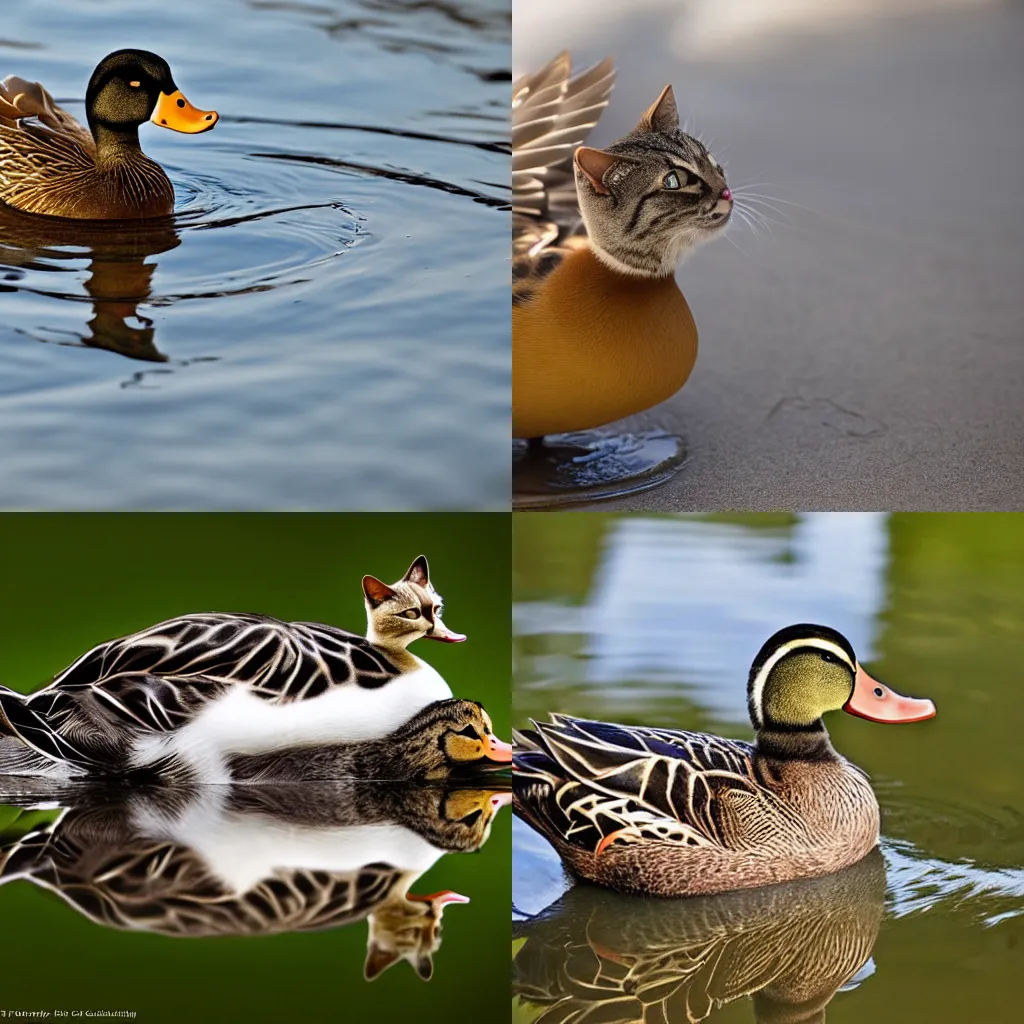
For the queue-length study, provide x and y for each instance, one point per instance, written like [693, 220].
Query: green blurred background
[655, 619]
[72, 581]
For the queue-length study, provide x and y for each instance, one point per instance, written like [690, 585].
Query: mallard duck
[205, 861]
[181, 697]
[596, 955]
[446, 739]
[50, 164]
[600, 329]
[674, 813]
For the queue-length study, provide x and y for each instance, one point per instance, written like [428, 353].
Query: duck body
[185, 695]
[673, 813]
[193, 690]
[593, 345]
[708, 815]
[52, 165]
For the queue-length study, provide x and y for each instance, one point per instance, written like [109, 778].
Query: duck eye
[879, 692]
[470, 732]
[671, 181]
[411, 613]
[829, 657]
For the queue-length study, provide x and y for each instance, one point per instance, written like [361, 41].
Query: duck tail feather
[19, 720]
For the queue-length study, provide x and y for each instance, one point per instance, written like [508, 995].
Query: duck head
[449, 737]
[804, 671]
[130, 87]
[406, 610]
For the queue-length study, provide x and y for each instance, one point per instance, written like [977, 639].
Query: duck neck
[795, 743]
[115, 145]
[397, 653]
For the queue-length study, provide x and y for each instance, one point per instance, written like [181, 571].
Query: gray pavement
[868, 351]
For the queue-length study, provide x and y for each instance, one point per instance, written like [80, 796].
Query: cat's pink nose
[726, 193]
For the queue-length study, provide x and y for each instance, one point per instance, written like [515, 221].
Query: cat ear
[663, 115]
[419, 572]
[378, 960]
[375, 591]
[595, 163]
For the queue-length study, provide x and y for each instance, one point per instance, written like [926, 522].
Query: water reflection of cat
[119, 276]
[599, 955]
[214, 861]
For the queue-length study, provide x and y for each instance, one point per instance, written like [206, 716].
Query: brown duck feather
[49, 164]
[669, 812]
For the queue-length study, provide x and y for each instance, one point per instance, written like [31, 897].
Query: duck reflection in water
[254, 860]
[598, 955]
[119, 276]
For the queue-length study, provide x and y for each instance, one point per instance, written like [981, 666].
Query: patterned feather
[552, 114]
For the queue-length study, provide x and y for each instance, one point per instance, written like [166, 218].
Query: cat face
[651, 197]
[407, 929]
[404, 611]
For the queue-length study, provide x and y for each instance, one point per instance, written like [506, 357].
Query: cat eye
[411, 613]
[135, 85]
[671, 181]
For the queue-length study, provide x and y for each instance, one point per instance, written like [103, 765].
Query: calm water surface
[655, 620]
[325, 321]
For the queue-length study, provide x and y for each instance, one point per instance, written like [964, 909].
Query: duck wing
[279, 661]
[589, 782]
[42, 147]
[552, 114]
[20, 99]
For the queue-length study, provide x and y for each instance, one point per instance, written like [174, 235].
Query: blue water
[326, 323]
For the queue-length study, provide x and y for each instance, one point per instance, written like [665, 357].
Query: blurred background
[71, 582]
[860, 347]
[334, 282]
[656, 619]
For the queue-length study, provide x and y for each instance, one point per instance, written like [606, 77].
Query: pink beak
[443, 633]
[442, 898]
[877, 703]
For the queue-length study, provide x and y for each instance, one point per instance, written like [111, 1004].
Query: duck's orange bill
[444, 634]
[175, 112]
[497, 750]
[877, 703]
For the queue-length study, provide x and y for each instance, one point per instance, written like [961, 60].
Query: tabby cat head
[407, 928]
[651, 197]
[404, 611]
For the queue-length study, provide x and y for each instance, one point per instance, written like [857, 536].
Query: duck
[788, 948]
[600, 328]
[205, 861]
[448, 738]
[181, 697]
[667, 812]
[54, 166]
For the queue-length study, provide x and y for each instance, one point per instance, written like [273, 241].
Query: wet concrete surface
[867, 350]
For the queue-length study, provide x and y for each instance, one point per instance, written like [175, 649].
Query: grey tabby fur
[636, 221]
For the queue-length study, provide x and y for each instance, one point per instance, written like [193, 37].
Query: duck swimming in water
[673, 813]
[50, 164]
